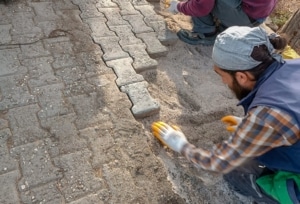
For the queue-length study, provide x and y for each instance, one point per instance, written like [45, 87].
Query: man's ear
[242, 78]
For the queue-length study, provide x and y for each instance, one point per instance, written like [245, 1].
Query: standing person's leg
[242, 180]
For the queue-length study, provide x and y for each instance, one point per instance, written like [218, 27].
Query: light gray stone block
[143, 104]
[125, 72]
[154, 47]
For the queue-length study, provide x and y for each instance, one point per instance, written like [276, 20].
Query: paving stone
[63, 5]
[164, 35]
[35, 164]
[120, 179]
[90, 11]
[49, 27]
[47, 193]
[71, 19]
[105, 4]
[100, 141]
[7, 163]
[51, 101]
[141, 59]
[138, 24]
[93, 198]
[27, 38]
[40, 72]
[139, 2]
[94, 64]
[154, 47]
[21, 26]
[83, 42]
[111, 47]
[127, 37]
[3, 123]
[109, 94]
[64, 133]
[99, 27]
[71, 75]
[44, 11]
[143, 104]
[149, 13]
[65, 60]
[25, 125]
[14, 91]
[113, 16]
[79, 179]
[5, 34]
[8, 191]
[33, 50]
[126, 8]
[5, 16]
[9, 61]
[59, 45]
[75, 81]
[124, 71]
[89, 110]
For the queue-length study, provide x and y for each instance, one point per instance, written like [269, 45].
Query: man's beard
[239, 91]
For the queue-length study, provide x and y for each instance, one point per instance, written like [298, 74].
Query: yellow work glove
[232, 122]
[171, 136]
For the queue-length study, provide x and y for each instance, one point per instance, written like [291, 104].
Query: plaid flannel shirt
[261, 130]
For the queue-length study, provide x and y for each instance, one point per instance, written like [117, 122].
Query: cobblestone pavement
[70, 93]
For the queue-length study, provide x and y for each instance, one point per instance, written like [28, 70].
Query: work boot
[194, 38]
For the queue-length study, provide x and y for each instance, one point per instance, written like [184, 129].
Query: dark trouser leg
[242, 180]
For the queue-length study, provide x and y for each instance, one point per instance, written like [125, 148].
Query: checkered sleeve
[262, 129]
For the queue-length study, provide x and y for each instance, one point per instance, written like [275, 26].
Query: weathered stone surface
[64, 133]
[113, 16]
[51, 101]
[7, 163]
[154, 47]
[125, 72]
[126, 8]
[122, 179]
[8, 191]
[14, 91]
[111, 47]
[141, 59]
[4, 33]
[44, 11]
[9, 61]
[48, 193]
[143, 104]
[25, 125]
[40, 72]
[138, 24]
[125, 34]
[164, 35]
[99, 27]
[88, 9]
[33, 50]
[36, 165]
[79, 179]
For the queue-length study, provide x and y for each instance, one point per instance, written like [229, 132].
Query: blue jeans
[228, 12]
[242, 180]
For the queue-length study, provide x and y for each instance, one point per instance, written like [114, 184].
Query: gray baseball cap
[233, 47]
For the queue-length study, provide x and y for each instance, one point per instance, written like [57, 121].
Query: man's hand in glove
[232, 122]
[173, 7]
[170, 136]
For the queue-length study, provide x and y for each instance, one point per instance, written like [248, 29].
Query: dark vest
[279, 88]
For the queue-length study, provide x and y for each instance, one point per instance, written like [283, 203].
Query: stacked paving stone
[63, 139]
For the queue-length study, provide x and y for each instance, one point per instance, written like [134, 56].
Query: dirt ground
[193, 97]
